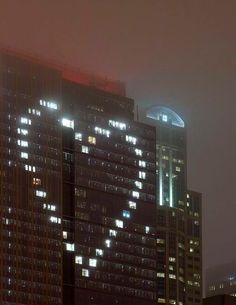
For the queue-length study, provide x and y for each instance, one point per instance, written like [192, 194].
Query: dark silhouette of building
[221, 280]
[94, 204]
[220, 300]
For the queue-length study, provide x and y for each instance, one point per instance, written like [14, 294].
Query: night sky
[181, 54]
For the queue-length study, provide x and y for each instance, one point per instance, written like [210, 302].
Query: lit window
[92, 140]
[191, 250]
[132, 205]
[51, 105]
[177, 168]
[78, 136]
[34, 111]
[138, 152]
[99, 252]
[142, 163]
[24, 120]
[36, 181]
[54, 219]
[30, 168]
[41, 194]
[142, 175]
[64, 234]
[67, 123]
[119, 223]
[85, 149]
[85, 272]
[79, 260]
[131, 139]
[102, 131]
[147, 229]
[172, 276]
[24, 155]
[135, 194]
[70, 247]
[112, 233]
[161, 300]
[138, 184]
[161, 274]
[22, 131]
[126, 214]
[164, 118]
[92, 262]
[22, 143]
[116, 124]
[108, 243]
[172, 259]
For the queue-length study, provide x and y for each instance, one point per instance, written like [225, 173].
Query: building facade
[94, 204]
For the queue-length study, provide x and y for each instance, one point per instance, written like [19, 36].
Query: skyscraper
[94, 204]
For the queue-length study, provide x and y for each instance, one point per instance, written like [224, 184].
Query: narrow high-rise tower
[178, 214]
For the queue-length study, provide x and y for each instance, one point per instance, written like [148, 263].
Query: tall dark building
[94, 206]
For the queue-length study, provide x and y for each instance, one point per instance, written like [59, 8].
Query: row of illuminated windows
[115, 278]
[113, 289]
[114, 189]
[118, 234]
[109, 254]
[110, 268]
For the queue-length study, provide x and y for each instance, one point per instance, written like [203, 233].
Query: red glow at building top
[74, 75]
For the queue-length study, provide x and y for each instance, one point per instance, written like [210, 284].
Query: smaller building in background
[220, 300]
[221, 280]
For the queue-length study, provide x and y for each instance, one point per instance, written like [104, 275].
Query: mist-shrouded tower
[174, 273]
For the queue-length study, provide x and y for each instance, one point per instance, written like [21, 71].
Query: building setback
[94, 205]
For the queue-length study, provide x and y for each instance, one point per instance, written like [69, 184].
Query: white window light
[22, 131]
[51, 105]
[34, 111]
[64, 234]
[79, 260]
[102, 131]
[36, 181]
[172, 276]
[85, 149]
[116, 124]
[92, 262]
[70, 247]
[141, 175]
[108, 243]
[126, 214]
[164, 118]
[132, 205]
[119, 223]
[25, 120]
[99, 252]
[131, 139]
[142, 163]
[24, 155]
[67, 123]
[92, 140]
[85, 272]
[138, 152]
[138, 184]
[177, 169]
[30, 168]
[135, 194]
[78, 136]
[41, 194]
[172, 259]
[22, 143]
[161, 274]
[147, 229]
[54, 219]
[112, 233]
